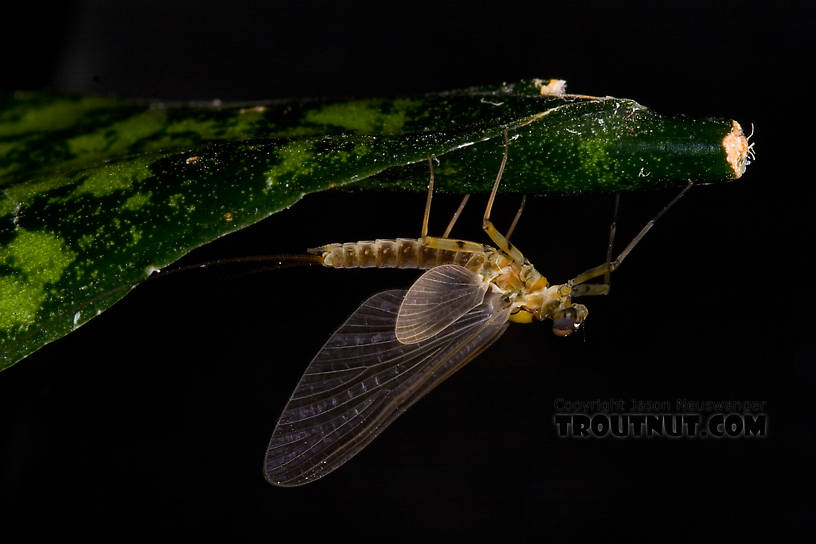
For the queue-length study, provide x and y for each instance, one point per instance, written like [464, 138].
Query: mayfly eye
[564, 322]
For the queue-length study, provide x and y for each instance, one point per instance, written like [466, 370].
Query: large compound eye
[565, 322]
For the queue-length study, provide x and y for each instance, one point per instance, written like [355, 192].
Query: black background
[153, 418]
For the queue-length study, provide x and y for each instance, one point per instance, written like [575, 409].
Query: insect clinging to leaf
[400, 344]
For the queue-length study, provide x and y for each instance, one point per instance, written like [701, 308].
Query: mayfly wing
[363, 378]
[439, 297]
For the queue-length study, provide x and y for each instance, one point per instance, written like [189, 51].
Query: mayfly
[400, 344]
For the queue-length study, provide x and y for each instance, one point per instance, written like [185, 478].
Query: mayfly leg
[502, 242]
[613, 227]
[444, 242]
[594, 289]
[456, 215]
[611, 265]
[516, 218]
[427, 215]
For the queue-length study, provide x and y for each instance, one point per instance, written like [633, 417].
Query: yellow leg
[427, 216]
[456, 216]
[590, 289]
[501, 242]
[610, 266]
[516, 218]
[428, 200]
[434, 242]
[453, 245]
[612, 229]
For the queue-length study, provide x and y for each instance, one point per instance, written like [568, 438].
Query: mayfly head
[568, 320]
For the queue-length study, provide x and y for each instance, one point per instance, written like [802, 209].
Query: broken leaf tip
[737, 149]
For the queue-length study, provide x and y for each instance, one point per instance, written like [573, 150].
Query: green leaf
[99, 192]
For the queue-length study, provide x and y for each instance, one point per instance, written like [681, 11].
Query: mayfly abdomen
[399, 253]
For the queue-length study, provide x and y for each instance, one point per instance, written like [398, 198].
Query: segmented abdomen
[399, 253]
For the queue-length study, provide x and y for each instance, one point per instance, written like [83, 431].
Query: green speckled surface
[97, 192]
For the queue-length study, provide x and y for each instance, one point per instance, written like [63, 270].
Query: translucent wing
[363, 378]
[439, 297]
